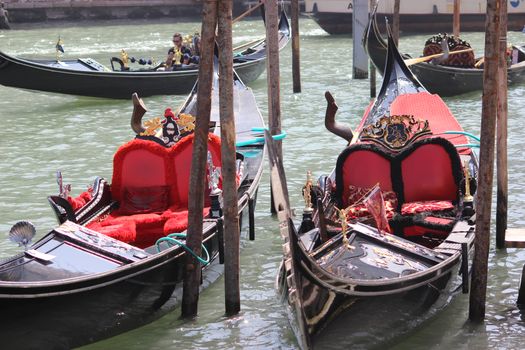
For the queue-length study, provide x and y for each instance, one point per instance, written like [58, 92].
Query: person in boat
[177, 52]
[4, 20]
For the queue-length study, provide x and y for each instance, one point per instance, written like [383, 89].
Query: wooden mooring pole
[296, 52]
[192, 272]
[395, 22]
[272, 75]
[373, 93]
[501, 160]
[484, 191]
[360, 58]
[230, 206]
[456, 22]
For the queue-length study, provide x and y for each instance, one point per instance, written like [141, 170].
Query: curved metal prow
[139, 109]
[329, 120]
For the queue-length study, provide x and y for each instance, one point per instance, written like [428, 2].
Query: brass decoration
[307, 192]
[151, 127]
[396, 131]
[186, 122]
[344, 226]
[468, 196]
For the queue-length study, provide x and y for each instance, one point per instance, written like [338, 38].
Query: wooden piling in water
[373, 93]
[502, 126]
[359, 56]
[296, 52]
[484, 191]
[372, 68]
[232, 294]
[395, 22]
[457, 14]
[272, 75]
[192, 272]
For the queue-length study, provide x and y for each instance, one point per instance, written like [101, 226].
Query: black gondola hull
[438, 79]
[121, 85]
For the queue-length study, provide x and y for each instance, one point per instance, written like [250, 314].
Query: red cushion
[81, 200]
[427, 174]
[142, 200]
[426, 207]
[357, 209]
[177, 221]
[139, 163]
[180, 162]
[365, 168]
[124, 231]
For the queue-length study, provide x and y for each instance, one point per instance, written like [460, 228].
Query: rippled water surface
[42, 133]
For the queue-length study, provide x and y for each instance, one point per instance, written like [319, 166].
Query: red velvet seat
[151, 185]
[425, 177]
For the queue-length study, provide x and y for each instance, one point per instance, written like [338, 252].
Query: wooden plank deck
[515, 238]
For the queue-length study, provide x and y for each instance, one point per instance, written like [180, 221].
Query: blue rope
[468, 145]
[172, 241]
[259, 140]
[463, 133]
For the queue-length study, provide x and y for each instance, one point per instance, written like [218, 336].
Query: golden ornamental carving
[395, 132]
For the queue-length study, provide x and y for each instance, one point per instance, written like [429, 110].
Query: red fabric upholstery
[426, 207]
[426, 106]
[358, 210]
[417, 230]
[81, 200]
[427, 175]
[177, 221]
[365, 168]
[139, 163]
[180, 162]
[123, 231]
[151, 183]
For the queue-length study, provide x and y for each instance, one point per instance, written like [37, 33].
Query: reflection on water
[42, 133]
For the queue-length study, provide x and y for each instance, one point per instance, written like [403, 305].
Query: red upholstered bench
[424, 176]
[151, 184]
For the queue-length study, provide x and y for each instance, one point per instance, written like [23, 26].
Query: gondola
[87, 77]
[359, 270]
[117, 258]
[438, 79]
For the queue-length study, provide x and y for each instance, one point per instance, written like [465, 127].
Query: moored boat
[87, 77]
[445, 80]
[386, 238]
[116, 261]
[424, 16]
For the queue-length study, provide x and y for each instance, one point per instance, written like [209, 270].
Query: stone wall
[23, 11]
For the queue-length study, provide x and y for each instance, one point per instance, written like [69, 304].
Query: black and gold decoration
[396, 131]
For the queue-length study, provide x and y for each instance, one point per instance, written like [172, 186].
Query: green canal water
[41, 133]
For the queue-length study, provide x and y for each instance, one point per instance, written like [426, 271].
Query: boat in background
[87, 77]
[423, 16]
[464, 74]
[117, 259]
[387, 237]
